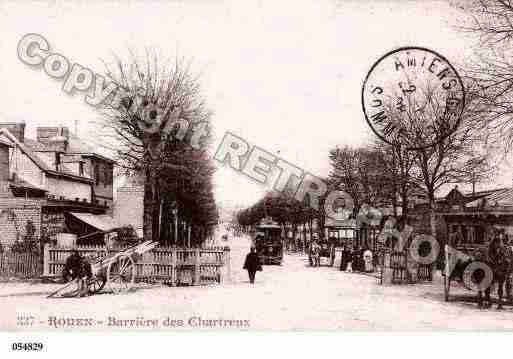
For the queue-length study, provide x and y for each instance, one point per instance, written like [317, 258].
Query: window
[479, 235]
[106, 177]
[57, 161]
[81, 169]
[97, 174]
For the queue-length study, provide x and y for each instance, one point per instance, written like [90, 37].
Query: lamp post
[175, 214]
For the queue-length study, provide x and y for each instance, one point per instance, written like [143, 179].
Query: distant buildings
[129, 205]
[470, 219]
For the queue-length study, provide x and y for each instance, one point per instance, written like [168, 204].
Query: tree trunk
[304, 235]
[432, 215]
[151, 206]
[404, 207]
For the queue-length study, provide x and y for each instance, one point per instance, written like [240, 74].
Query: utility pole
[175, 214]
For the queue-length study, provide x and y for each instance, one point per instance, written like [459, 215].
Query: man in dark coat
[347, 257]
[252, 264]
[77, 267]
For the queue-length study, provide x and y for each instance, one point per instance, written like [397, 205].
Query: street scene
[269, 166]
[344, 301]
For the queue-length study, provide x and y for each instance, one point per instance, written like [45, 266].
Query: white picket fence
[171, 265]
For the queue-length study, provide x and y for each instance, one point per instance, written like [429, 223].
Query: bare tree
[491, 73]
[449, 160]
[366, 174]
[443, 140]
[397, 166]
[491, 20]
[153, 97]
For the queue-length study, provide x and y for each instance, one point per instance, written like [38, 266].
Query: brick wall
[24, 210]
[4, 162]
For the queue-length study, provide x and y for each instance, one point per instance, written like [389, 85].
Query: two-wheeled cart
[116, 271]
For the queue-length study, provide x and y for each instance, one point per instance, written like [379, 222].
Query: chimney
[16, 129]
[55, 138]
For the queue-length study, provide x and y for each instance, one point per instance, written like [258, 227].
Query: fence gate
[396, 267]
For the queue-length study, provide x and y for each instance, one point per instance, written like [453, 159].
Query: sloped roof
[78, 146]
[485, 192]
[498, 197]
[37, 160]
[6, 143]
[21, 183]
[75, 146]
[25, 149]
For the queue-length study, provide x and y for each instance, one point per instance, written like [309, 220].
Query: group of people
[359, 259]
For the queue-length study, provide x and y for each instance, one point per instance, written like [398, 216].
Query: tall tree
[491, 73]
[153, 96]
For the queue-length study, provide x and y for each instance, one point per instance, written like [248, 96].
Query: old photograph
[240, 166]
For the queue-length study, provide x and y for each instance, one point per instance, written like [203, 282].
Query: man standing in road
[252, 264]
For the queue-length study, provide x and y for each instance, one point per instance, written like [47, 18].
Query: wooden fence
[398, 267]
[20, 265]
[170, 265]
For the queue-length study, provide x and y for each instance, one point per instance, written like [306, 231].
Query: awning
[346, 223]
[102, 222]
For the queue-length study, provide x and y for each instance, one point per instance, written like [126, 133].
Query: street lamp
[175, 214]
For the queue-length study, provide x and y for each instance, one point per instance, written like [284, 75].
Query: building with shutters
[47, 179]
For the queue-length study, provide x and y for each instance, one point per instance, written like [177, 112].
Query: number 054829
[27, 346]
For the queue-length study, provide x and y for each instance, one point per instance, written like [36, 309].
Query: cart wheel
[121, 274]
[96, 284]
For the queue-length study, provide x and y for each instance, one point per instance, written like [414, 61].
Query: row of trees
[152, 122]
[382, 174]
[294, 216]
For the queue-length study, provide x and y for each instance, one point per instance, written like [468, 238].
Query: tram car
[268, 242]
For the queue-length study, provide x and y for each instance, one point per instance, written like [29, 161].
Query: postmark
[413, 97]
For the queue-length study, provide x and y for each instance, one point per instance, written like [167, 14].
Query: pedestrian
[252, 264]
[77, 268]
[315, 253]
[357, 259]
[367, 258]
[343, 260]
[349, 260]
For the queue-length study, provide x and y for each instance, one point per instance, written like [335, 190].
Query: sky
[284, 75]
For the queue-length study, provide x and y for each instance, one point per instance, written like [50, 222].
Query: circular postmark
[413, 97]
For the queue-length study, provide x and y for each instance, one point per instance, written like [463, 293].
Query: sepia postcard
[240, 166]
